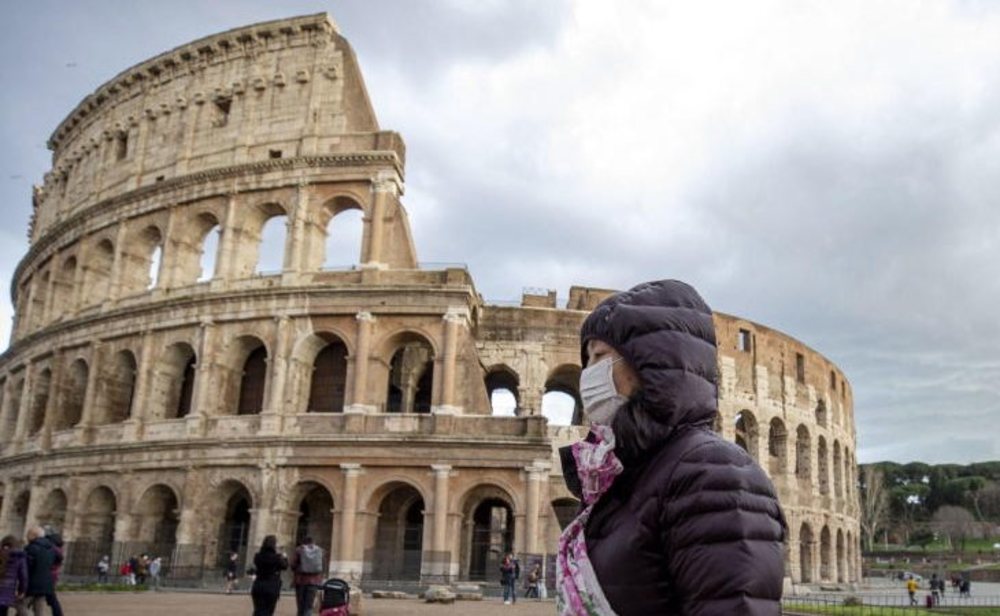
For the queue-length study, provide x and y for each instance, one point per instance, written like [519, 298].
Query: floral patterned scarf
[578, 589]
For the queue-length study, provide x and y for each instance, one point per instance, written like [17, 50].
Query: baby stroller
[335, 598]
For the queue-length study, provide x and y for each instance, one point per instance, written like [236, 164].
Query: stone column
[350, 564]
[537, 477]
[5, 410]
[296, 242]
[85, 429]
[225, 268]
[50, 292]
[455, 317]
[440, 559]
[24, 409]
[34, 501]
[8, 503]
[117, 264]
[274, 411]
[360, 401]
[56, 389]
[205, 389]
[384, 188]
[138, 413]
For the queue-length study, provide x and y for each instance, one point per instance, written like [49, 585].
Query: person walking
[534, 580]
[154, 571]
[266, 589]
[14, 569]
[230, 574]
[676, 520]
[103, 567]
[508, 579]
[41, 557]
[911, 587]
[57, 544]
[307, 563]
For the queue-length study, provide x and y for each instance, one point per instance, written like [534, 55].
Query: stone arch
[98, 272]
[748, 433]
[319, 373]
[231, 508]
[825, 555]
[173, 377]
[410, 380]
[823, 465]
[156, 518]
[13, 406]
[41, 389]
[487, 529]
[502, 384]
[399, 532]
[39, 297]
[116, 392]
[838, 471]
[562, 393]
[263, 240]
[73, 396]
[565, 511]
[803, 453]
[141, 259]
[841, 557]
[822, 419]
[98, 520]
[777, 447]
[19, 513]
[52, 512]
[195, 259]
[806, 543]
[63, 299]
[343, 226]
[313, 504]
[245, 371]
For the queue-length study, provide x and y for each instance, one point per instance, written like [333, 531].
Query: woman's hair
[8, 543]
[270, 544]
[636, 431]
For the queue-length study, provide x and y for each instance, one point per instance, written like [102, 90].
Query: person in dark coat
[675, 519]
[267, 586]
[42, 556]
[13, 573]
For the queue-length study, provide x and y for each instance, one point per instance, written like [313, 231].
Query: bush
[853, 601]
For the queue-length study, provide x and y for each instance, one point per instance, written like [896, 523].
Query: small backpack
[311, 559]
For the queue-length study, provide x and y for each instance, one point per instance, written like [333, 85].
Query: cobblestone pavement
[196, 604]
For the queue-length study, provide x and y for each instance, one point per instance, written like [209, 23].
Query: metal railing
[890, 605]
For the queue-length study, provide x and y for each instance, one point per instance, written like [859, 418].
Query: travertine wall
[147, 404]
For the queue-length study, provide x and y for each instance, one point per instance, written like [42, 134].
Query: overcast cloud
[828, 169]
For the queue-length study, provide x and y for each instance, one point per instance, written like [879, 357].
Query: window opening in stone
[823, 463]
[252, 382]
[121, 146]
[187, 389]
[800, 368]
[160, 178]
[209, 250]
[342, 245]
[821, 417]
[833, 380]
[116, 396]
[39, 401]
[329, 379]
[501, 387]
[777, 447]
[411, 376]
[746, 432]
[74, 396]
[805, 554]
[802, 458]
[272, 246]
[274, 153]
[222, 107]
[561, 402]
[399, 536]
[154, 267]
[745, 343]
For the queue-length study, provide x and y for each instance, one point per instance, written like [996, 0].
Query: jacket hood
[664, 330]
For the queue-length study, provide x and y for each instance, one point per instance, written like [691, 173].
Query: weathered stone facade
[151, 402]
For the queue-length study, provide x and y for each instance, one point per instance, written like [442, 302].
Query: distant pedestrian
[125, 571]
[509, 572]
[14, 572]
[965, 588]
[103, 566]
[42, 557]
[534, 580]
[230, 574]
[911, 587]
[268, 564]
[935, 591]
[133, 570]
[57, 544]
[307, 563]
[154, 571]
[142, 569]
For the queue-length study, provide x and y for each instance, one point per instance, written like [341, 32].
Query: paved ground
[196, 604]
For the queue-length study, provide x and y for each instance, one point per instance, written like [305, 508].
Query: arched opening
[234, 530]
[98, 275]
[399, 535]
[117, 389]
[173, 382]
[777, 447]
[344, 232]
[157, 516]
[155, 261]
[39, 294]
[823, 464]
[565, 510]
[825, 556]
[41, 389]
[411, 378]
[488, 520]
[52, 514]
[140, 269]
[821, 415]
[211, 238]
[806, 543]
[841, 558]
[19, 514]
[74, 394]
[315, 518]
[838, 471]
[747, 433]
[502, 389]
[13, 406]
[272, 246]
[248, 360]
[561, 403]
[98, 527]
[803, 468]
[328, 382]
[62, 300]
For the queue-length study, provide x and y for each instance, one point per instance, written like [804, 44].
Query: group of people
[306, 564]
[136, 570]
[30, 573]
[510, 573]
[938, 586]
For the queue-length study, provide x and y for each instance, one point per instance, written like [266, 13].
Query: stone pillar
[205, 389]
[50, 292]
[5, 410]
[84, 429]
[8, 503]
[296, 244]
[117, 264]
[139, 412]
[384, 188]
[274, 411]
[537, 478]
[360, 401]
[56, 389]
[34, 501]
[438, 565]
[350, 564]
[225, 268]
[455, 317]
[24, 409]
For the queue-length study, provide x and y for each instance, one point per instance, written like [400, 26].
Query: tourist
[103, 566]
[534, 580]
[14, 569]
[154, 571]
[676, 520]
[911, 587]
[133, 570]
[268, 564]
[509, 572]
[125, 571]
[142, 569]
[57, 544]
[307, 563]
[42, 557]
[230, 575]
[935, 592]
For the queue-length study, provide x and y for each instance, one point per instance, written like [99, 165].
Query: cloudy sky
[828, 169]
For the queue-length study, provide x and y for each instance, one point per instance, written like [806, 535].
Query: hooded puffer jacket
[693, 526]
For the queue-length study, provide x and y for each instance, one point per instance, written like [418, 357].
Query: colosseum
[170, 390]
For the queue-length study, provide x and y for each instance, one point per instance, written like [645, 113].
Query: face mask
[597, 389]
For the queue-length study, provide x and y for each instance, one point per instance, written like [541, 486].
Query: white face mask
[597, 389]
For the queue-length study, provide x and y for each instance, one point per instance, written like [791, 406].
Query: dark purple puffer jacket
[693, 525]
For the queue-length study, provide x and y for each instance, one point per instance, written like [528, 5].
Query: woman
[675, 520]
[267, 586]
[508, 579]
[14, 569]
